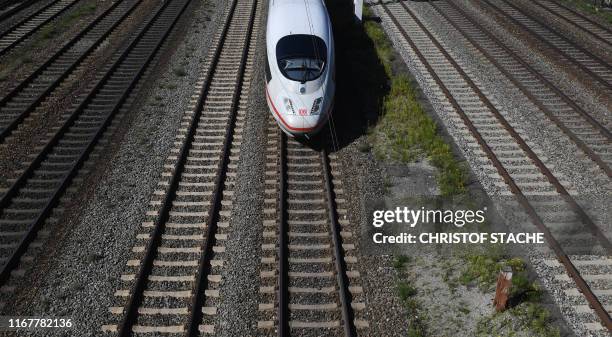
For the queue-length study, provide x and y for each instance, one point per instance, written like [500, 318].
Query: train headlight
[288, 106]
[316, 106]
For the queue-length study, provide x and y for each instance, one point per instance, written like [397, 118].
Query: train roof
[287, 17]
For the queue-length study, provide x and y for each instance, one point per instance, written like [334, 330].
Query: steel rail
[523, 201]
[336, 241]
[32, 31]
[596, 231]
[283, 258]
[574, 12]
[24, 84]
[33, 228]
[10, 12]
[555, 48]
[604, 131]
[137, 291]
[215, 206]
[341, 278]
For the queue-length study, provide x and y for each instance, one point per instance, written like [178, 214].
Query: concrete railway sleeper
[590, 135]
[591, 64]
[309, 281]
[572, 17]
[21, 30]
[172, 283]
[511, 160]
[51, 172]
[22, 100]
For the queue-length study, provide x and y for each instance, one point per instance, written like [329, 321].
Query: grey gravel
[80, 277]
[589, 100]
[560, 155]
[551, 145]
[240, 288]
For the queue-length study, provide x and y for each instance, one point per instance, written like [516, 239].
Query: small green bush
[400, 261]
[406, 290]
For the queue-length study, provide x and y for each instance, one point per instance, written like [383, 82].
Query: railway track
[172, 283]
[589, 63]
[10, 8]
[572, 17]
[27, 26]
[309, 286]
[26, 97]
[590, 135]
[517, 170]
[33, 197]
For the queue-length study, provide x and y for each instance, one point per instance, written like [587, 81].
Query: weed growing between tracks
[65, 22]
[589, 7]
[404, 131]
[34, 47]
[525, 313]
[407, 292]
[442, 294]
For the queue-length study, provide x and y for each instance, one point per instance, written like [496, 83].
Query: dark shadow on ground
[361, 81]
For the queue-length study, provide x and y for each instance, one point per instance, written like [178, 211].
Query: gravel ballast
[546, 141]
[79, 278]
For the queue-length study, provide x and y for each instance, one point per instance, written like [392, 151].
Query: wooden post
[502, 290]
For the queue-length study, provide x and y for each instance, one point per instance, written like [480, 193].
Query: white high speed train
[300, 67]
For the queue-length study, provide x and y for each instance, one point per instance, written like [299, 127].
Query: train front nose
[303, 125]
[299, 114]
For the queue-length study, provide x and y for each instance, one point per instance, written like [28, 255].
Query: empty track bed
[581, 58]
[309, 281]
[34, 195]
[25, 27]
[26, 97]
[518, 172]
[171, 284]
[581, 22]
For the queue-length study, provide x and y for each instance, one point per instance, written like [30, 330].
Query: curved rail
[29, 201]
[502, 163]
[21, 101]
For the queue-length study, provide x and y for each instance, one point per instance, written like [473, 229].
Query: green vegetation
[180, 71]
[406, 290]
[400, 261]
[417, 326]
[59, 26]
[525, 313]
[405, 132]
[375, 97]
[364, 147]
[416, 315]
[40, 39]
[482, 270]
[525, 316]
[589, 7]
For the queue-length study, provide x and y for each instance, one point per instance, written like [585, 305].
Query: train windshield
[301, 57]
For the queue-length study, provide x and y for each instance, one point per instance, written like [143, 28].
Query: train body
[300, 69]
